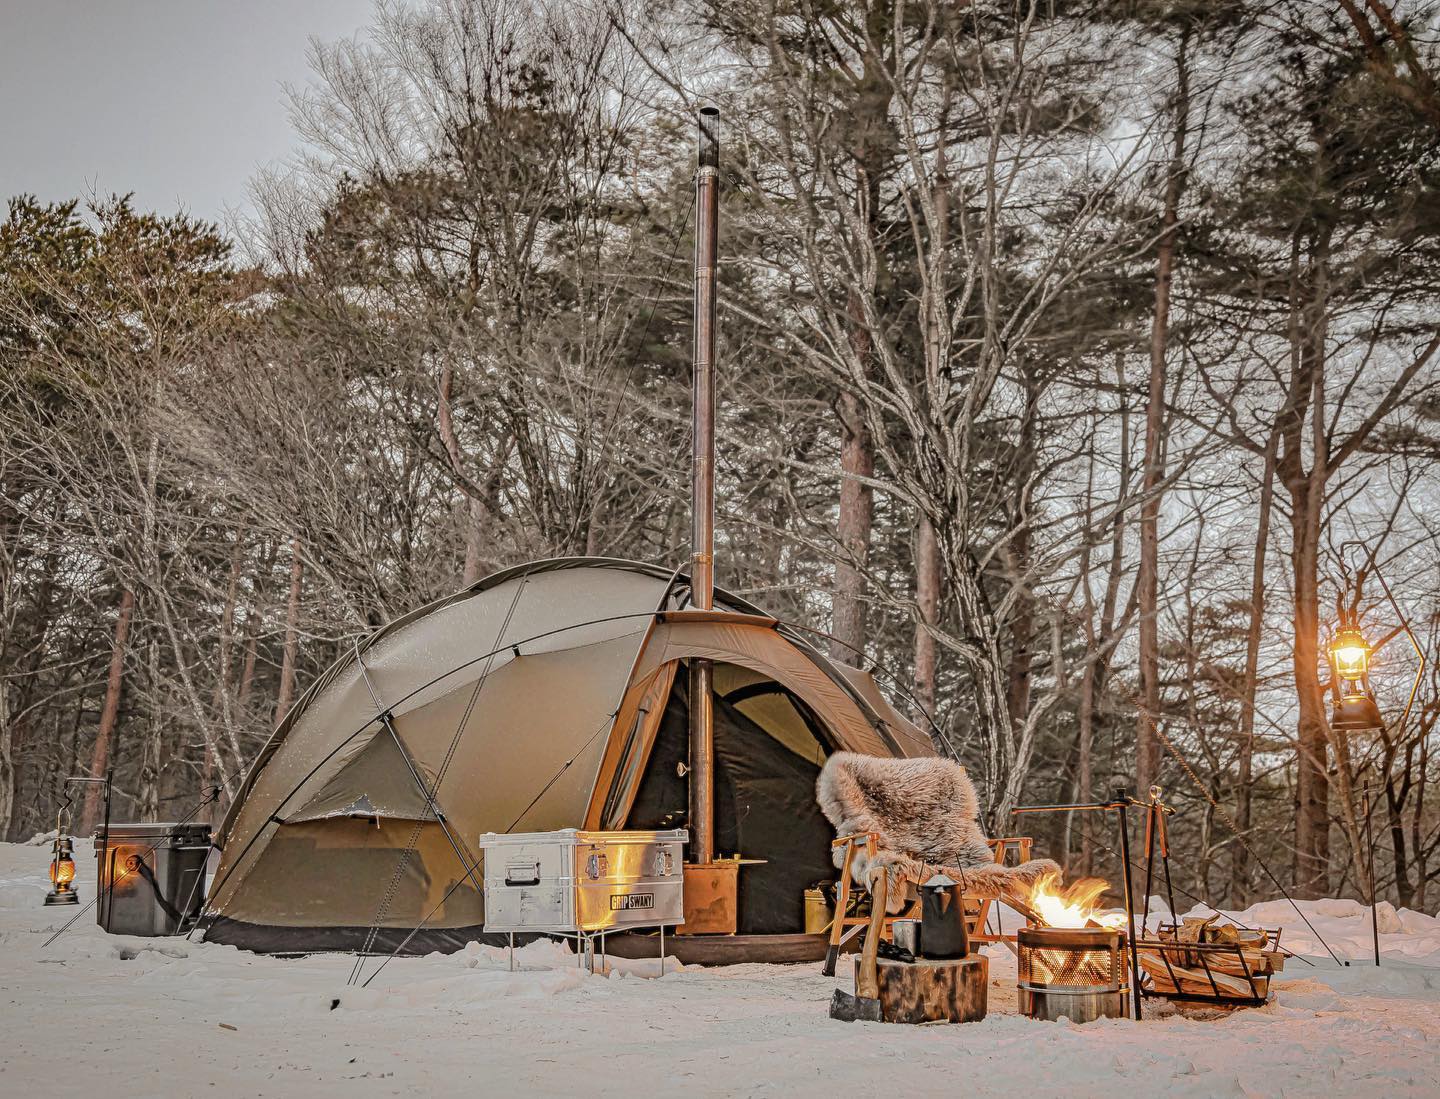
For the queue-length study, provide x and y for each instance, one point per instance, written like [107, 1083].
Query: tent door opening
[769, 749]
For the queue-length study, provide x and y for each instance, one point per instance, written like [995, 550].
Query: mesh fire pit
[1072, 973]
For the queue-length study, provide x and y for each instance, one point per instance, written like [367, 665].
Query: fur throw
[927, 817]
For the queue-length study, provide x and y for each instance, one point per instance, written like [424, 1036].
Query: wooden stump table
[926, 991]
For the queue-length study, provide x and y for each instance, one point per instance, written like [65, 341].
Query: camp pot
[942, 919]
[907, 935]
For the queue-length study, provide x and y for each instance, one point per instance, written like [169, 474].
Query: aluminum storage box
[573, 881]
[158, 871]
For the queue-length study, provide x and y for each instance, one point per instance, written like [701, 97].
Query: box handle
[529, 869]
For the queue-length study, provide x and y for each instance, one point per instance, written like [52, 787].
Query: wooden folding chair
[979, 919]
[839, 936]
[845, 927]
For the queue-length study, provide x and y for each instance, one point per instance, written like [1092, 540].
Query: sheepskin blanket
[927, 816]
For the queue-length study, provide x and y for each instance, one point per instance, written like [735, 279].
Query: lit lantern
[62, 873]
[1354, 707]
[1349, 653]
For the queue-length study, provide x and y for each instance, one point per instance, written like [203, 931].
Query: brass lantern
[1354, 707]
[62, 873]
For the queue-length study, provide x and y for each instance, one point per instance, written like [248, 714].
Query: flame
[1072, 906]
[62, 870]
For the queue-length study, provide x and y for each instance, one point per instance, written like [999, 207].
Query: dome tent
[542, 697]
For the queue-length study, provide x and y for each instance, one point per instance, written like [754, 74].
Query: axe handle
[867, 984]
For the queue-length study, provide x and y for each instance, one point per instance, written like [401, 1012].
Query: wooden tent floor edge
[713, 950]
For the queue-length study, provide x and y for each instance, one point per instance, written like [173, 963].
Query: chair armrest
[841, 841]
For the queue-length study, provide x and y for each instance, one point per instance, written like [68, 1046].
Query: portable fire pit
[1075, 973]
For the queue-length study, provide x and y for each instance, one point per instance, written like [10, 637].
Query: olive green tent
[545, 696]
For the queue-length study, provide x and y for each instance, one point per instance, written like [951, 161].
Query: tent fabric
[528, 702]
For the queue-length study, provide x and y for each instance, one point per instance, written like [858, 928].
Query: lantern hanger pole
[1404, 627]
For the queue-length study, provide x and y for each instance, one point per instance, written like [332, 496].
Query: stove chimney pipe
[702, 485]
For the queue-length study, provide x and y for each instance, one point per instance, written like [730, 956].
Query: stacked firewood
[1222, 960]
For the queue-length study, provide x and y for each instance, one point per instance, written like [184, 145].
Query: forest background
[1077, 365]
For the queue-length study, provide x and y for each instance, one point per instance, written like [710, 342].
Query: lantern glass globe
[1349, 653]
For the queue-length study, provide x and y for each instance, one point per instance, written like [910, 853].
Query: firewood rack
[1183, 959]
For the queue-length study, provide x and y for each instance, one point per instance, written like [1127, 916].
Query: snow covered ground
[102, 1015]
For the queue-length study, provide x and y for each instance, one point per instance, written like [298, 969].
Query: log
[940, 991]
[1253, 965]
[1192, 980]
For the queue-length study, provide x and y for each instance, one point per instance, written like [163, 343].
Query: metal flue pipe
[702, 485]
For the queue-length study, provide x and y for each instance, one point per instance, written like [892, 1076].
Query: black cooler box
[158, 876]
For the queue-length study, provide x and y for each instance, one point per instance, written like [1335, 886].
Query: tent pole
[702, 484]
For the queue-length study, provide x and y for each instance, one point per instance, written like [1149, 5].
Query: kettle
[942, 919]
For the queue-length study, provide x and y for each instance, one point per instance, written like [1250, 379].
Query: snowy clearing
[149, 1017]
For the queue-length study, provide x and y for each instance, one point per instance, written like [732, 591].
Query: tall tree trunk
[1002, 780]
[1312, 785]
[1417, 826]
[1395, 822]
[254, 621]
[928, 570]
[221, 702]
[152, 750]
[292, 621]
[1240, 855]
[474, 508]
[1110, 628]
[1017, 553]
[1306, 489]
[857, 460]
[1307, 494]
[7, 760]
[109, 712]
[927, 602]
[247, 669]
[1085, 732]
[1147, 747]
[870, 154]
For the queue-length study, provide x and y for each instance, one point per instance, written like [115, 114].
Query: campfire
[1074, 905]
[1074, 965]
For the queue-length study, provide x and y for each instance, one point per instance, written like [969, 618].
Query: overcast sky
[179, 101]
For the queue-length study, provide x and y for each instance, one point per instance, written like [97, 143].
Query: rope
[1134, 865]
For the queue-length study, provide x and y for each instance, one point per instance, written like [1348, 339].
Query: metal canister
[907, 935]
[817, 912]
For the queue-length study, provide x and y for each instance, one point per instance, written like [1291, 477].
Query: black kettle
[942, 919]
